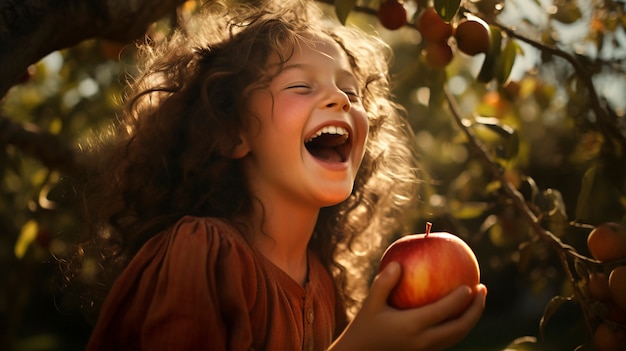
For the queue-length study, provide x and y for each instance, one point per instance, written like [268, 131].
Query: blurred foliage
[545, 107]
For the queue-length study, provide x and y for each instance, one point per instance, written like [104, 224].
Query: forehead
[315, 47]
[321, 44]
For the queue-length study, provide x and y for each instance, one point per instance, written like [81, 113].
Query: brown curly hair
[167, 156]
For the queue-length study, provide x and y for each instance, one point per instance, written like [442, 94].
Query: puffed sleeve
[187, 289]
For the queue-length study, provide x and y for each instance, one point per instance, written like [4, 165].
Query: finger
[454, 330]
[447, 307]
[384, 282]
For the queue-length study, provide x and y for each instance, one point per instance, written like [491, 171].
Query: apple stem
[428, 226]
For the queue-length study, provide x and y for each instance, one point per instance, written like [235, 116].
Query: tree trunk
[31, 29]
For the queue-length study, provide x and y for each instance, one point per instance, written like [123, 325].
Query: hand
[436, 326]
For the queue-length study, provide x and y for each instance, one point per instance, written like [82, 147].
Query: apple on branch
[433, 265]
[607, 242]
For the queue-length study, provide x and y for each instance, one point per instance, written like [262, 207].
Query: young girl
[247, 194]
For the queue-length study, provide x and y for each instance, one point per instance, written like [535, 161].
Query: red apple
[433, 264]
[617, 285]
[392, 14]
[438, 55]
[607, 242]
[433, 28]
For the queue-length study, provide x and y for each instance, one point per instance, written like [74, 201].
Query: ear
[241, 149]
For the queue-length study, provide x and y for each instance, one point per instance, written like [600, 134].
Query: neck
[282, 235]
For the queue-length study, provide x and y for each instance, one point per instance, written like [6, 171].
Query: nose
[338, 99]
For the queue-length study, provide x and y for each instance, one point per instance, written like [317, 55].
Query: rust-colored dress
[200, 286]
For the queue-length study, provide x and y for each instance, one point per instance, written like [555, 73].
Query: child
[259, 169]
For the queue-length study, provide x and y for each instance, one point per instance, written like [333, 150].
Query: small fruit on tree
[598, 286]
[472, 37]
[617, 286]
[609, 338]
[614, 313]
[607, 242]
[392, 14]
[438, 55]
[432, 27]
[433, 265]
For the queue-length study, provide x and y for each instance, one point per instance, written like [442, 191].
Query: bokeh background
[548, 120]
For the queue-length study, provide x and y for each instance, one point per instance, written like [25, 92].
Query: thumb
[385, 281]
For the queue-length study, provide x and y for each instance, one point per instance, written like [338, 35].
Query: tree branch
[48, 148]
[31, 29]
[520, 205]
[608, 125]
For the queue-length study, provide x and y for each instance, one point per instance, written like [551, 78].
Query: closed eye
[352, 95]
[299, 86]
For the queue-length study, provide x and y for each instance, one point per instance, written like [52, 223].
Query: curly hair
[168, 154]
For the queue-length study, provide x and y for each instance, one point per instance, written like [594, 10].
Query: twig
[48, 148]
[609, 128]
[520, 204]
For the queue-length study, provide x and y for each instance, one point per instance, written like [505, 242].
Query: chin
[334, 197]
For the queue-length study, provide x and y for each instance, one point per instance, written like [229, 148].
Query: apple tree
[61, 70]
[518, 109]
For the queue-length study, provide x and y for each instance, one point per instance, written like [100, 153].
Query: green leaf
[567, 12]
[470, 210]
[447, 8]
[555, 212]
[28, 234]
[581, 268]
[586, 188]
[524, 343]
[510, 147]
[507, 59]
[599, 199]
[550, 310]
[496, 125]
[343, 9]
[488, 69]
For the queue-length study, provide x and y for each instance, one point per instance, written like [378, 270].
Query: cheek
[362, 125]
[362, 137]
[291, 115]
[293, 105]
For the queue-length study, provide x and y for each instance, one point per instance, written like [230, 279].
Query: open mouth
[330, 144]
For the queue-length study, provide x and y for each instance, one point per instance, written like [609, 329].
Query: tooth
[337, 130]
